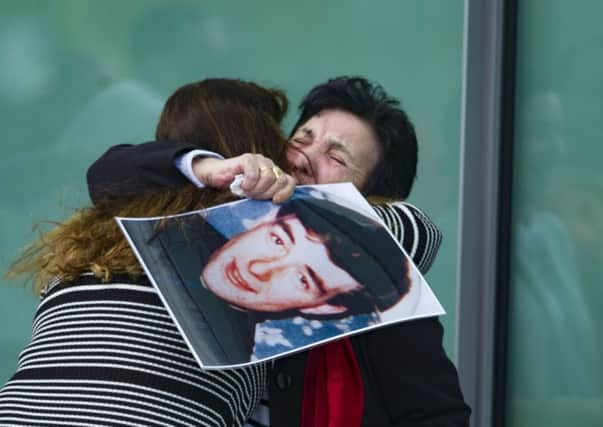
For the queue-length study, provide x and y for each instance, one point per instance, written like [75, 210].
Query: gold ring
[277, 172]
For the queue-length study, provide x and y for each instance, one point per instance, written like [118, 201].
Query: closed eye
[338, 160]
[302, 141]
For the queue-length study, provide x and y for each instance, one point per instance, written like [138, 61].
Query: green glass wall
[555, 349]
[78, 76]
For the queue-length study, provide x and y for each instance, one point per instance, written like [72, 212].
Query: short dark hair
[396, 169]
[360, 246]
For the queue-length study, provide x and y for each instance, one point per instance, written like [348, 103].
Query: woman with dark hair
[104, 350]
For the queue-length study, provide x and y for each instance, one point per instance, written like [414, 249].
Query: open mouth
[234, 275]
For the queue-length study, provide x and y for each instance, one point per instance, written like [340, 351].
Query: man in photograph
[312, 258]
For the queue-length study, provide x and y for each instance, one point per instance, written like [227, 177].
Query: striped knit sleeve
[110, 354]
[417, 234]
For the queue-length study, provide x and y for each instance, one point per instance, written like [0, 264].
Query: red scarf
[333, 388]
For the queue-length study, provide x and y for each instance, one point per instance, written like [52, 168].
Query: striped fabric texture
[110, 355]
[419, 237]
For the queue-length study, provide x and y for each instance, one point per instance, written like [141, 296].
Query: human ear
[324, 309]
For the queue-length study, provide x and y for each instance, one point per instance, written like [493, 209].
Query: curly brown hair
[227, 116]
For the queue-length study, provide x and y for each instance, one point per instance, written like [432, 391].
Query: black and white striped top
[110, 355]
[417, 234]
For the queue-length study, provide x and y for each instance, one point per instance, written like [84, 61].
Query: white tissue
[235, 186]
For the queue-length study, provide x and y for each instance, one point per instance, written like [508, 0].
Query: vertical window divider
[484, 205]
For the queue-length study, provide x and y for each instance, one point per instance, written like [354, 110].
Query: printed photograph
[250, 281]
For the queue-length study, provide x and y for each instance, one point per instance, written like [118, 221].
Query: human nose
[307, 162]
[262, 269]
[313, 151]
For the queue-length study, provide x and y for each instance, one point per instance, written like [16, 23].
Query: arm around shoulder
[415, 231]
[127, 170]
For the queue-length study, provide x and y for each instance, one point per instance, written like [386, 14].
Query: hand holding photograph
[249, 281]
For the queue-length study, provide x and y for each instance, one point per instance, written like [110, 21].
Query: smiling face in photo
[277, 266]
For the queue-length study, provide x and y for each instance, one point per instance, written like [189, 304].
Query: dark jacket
[408, 379]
